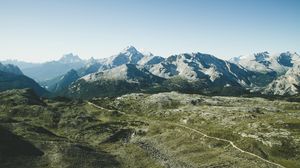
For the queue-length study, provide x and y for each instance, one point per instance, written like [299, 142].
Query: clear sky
[40, 30]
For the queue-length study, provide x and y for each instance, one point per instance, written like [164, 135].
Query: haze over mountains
[48, 70]
[132, 71]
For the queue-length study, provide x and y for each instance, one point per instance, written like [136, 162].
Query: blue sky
[40, 30]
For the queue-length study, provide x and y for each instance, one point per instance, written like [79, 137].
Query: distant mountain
[20, 64]
[9, 68]
[287, 84]
[119, 80]
[265, 62]
[53, 69]
[276, 73]
[10, 80]
[131, 70]
[70, 59]
[91, 66]
[194, 72]
[129, 55]
[198, 66]
[60, 83]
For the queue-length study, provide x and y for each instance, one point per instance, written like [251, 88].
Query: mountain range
[48, 70]
[283, 70]
[133, 71]
[11, 77]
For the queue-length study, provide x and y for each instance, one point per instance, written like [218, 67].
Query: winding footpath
[207, 136]
[230, 142]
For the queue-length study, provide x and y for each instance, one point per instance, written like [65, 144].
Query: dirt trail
[230, 142]
[207, 136]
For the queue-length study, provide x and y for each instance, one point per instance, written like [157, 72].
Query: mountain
[267, 63]
[193, 73]
[60, 83]
[130, 55]
[10, 81]
[70, 58]
[197, 66]
[150, 59]
[276, 73]
[91, 66]
[116, 81]
[187, 72]
[287, 84]
[20, 64]
[9, 68]
[53, 69]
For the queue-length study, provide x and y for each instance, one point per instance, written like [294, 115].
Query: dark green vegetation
[18, 81]
[147, 130]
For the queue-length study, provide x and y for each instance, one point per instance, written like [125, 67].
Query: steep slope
[60, 83]
[10, 81]
[197, 66]
[120, 80]
[150, 59]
